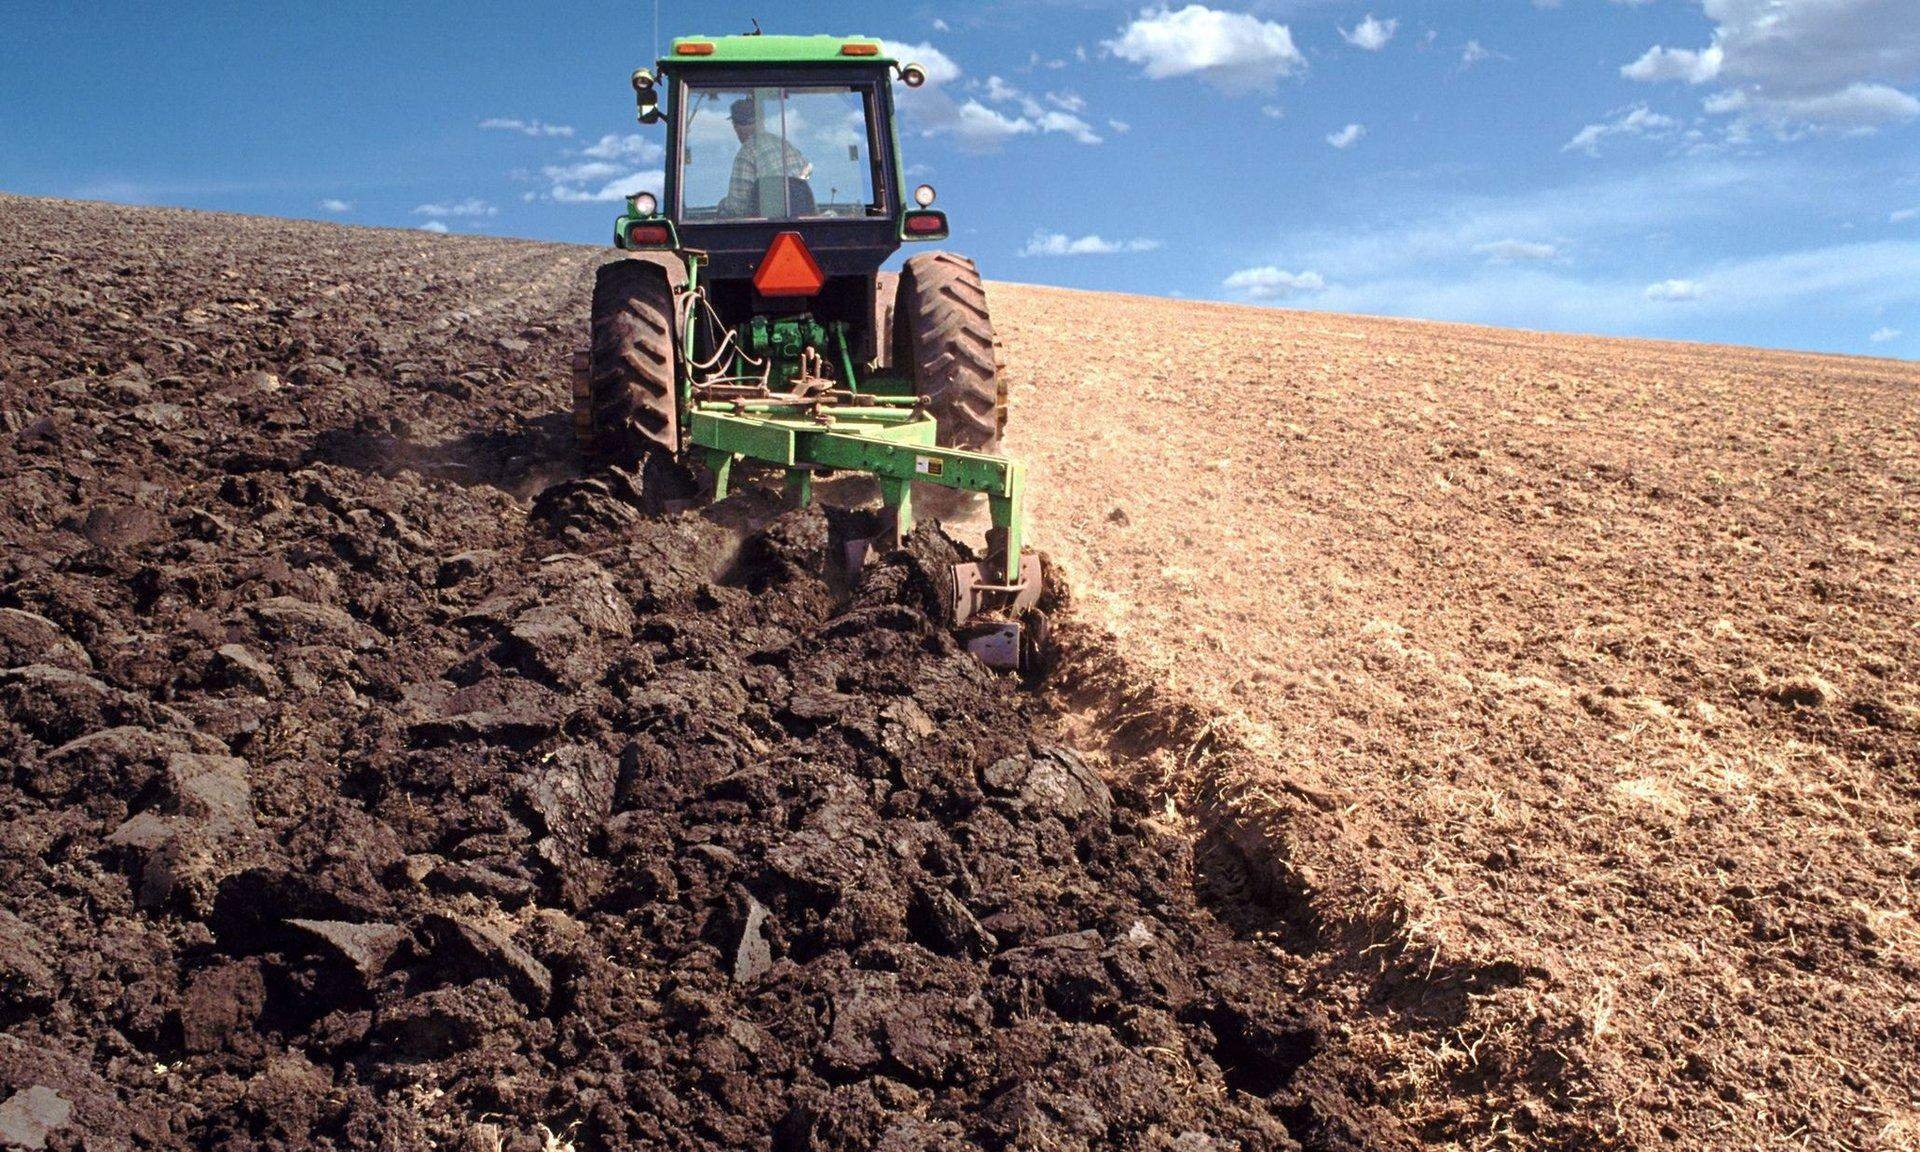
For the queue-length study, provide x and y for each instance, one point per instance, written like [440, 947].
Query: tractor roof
[693, 50]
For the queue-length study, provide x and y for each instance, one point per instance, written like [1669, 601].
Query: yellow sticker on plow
[928, 465]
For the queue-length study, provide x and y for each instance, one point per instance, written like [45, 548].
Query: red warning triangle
[788, 269]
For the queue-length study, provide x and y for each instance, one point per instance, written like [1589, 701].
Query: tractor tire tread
[632, 399]
[945, 333]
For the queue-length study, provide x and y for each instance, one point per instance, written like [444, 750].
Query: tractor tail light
[859, 49]
[926, 224]
[693, 48]
[649, 236]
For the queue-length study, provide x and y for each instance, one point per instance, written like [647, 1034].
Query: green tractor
[749, 319]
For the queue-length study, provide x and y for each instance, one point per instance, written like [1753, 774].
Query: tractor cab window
[776, 154]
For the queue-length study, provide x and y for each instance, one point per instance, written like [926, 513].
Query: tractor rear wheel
[630, 396]
[943, 332]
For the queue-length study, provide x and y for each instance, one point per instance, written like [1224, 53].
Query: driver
[761, 154]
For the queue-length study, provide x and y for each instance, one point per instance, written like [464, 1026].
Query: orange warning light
[788, 269]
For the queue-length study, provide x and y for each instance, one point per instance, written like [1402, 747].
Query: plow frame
[889, 439]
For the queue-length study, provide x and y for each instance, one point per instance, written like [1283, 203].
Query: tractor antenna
[756, 27]
[656, 29]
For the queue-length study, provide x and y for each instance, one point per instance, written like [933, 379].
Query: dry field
[1464, 738]
[1580, 677]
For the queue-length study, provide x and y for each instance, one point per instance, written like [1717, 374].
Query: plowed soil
[370, 780]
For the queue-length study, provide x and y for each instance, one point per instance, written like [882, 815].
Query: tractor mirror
[646, 100]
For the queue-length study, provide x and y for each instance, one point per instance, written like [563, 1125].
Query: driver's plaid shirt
[764, 154]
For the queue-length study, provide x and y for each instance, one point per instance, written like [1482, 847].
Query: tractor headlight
[913, 75]
[644, 204]
[923, 195]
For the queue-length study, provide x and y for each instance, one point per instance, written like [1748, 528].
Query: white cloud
[940, 25]
[1061, 117]
[1815, 45]
[1271, 283]
[1273, 112]
[1903, 215]
[1639, 121]
[1371, 33]
[332, 204]
[435, 226]
[1070, 125]
[1119, 126]
[1233, 51]
[471, 206]
[999, 91]
[608, 170]
[600, 182]
[1347, 137]
[981, 128]
[631, 148]
[525, 127]
[1855, 108]
[1659, 64]
[1514, 250]
[1675, 290]
[1475, 52]
[1885, 335]
[581, 171]
[1797, 65]
[1059, 244]
[975, 125]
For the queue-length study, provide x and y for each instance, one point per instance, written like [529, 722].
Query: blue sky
[1745, 171]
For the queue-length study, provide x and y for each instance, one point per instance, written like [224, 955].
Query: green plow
[894, 441]
[895, 445]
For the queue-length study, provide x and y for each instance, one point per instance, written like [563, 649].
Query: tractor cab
[750, 152]
[780, 133]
